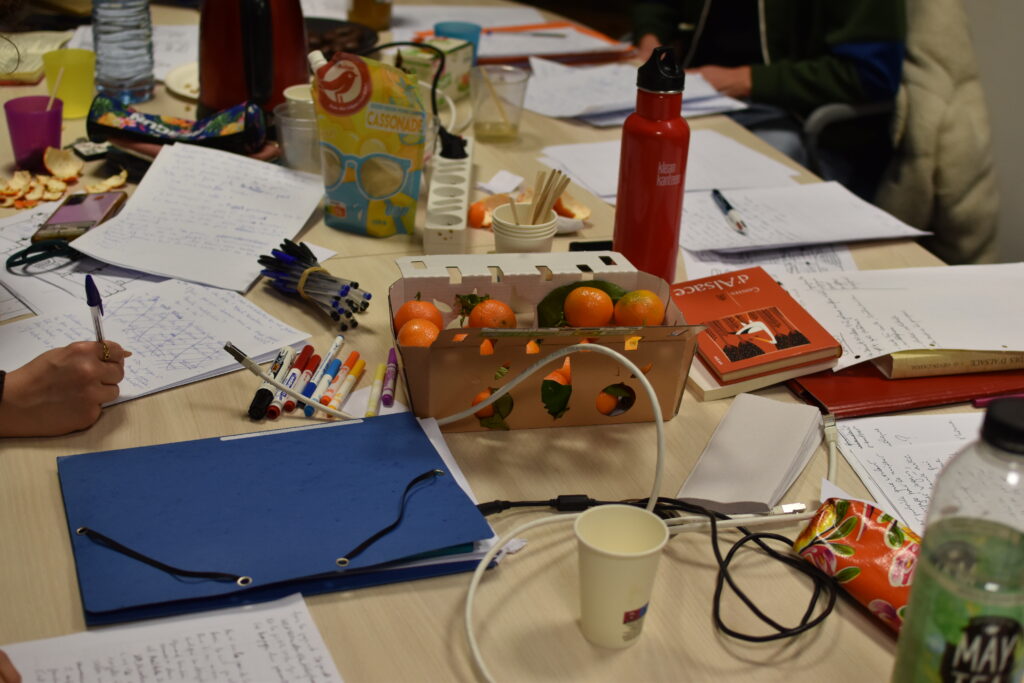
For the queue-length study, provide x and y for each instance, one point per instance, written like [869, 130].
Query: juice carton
[371, 123]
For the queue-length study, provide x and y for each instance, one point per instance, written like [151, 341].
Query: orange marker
[336, 383]
[346, 387]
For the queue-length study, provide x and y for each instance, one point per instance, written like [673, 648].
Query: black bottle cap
[1004, 425]
[661, 73]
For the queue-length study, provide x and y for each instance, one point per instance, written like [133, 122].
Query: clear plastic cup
[498, 92]
[298, 136]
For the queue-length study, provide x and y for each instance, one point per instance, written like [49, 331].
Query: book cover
[754, 327]
[935, 362]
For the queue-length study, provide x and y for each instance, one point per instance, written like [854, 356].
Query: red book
[754, 326]
[862, 389]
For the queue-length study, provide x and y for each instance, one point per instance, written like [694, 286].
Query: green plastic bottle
[965, 619]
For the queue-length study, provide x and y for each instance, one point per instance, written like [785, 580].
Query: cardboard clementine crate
[443, 379]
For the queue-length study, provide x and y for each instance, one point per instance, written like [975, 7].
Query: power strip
[445, 231]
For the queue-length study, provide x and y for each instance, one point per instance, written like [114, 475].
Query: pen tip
[92, 293]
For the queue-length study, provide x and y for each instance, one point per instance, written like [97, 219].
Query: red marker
[311, 365]
[290, 380]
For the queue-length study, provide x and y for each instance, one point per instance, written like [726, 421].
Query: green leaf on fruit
[555, 397]
[550, 311]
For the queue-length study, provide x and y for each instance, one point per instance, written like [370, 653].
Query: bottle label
[984, 653]
[668, 174]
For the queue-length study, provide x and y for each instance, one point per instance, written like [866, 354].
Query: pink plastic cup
[33, 128]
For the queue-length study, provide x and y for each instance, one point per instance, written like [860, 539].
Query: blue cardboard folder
[278, 507]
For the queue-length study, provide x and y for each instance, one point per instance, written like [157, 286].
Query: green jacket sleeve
[842, 51]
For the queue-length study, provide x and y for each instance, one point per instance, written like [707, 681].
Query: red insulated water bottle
[652, 169]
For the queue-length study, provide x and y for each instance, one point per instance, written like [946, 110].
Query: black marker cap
[260, 402]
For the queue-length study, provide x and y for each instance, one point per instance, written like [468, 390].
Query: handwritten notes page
[172, 46]
[777, 262]
[55, 284]
[205, 216]
[815, 213]
[899, 457]
[877, 312]
[273, 642]
[175, 330]
[715, 160]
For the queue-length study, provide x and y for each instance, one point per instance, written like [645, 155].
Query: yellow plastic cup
[73, 73]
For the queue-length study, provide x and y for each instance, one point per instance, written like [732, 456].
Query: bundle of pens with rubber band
[294, 270]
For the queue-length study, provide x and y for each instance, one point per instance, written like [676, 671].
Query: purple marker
[387, 396]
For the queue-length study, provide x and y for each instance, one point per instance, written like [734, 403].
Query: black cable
[664, 507]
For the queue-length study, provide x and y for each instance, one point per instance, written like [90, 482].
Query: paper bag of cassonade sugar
[371, 124]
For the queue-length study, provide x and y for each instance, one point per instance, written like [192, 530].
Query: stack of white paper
[755, 454]
[175, 330]
[899, 457]
[814, 213]
[714, 161]
[407, 20]
[877, 312]
[605, 95]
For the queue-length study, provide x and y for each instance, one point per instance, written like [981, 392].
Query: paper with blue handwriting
[823, 258]
[269, 642]
[205, 216]
[175, 330]
[898, 457]
[172, 45]
[873, 313]
[798, 215]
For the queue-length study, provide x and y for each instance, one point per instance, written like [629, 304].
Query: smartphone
[78, 213]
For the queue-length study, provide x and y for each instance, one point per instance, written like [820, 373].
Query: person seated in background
[787, 57]
[62, 390]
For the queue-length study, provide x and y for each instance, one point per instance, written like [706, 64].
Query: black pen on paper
[729, 212]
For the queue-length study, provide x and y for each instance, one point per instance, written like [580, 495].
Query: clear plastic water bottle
[965, 619]
[122, 35]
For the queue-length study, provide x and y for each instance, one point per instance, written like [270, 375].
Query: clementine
[414, 308]
[588, 307]
[492, 313]
[606, 403]
[639, 307]
[480, 398]
[418, 332]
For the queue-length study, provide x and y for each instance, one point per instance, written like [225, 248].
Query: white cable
[699, 523]
[594, 348]
[474, 649]
[831, 436]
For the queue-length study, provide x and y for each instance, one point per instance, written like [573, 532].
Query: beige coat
[942, 178]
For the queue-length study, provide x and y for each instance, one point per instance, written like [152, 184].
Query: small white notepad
[754, 456]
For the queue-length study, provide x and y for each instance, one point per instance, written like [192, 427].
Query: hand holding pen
[63, 390]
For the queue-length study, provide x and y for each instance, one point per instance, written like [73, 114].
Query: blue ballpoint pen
[729, 212]
[92, 297]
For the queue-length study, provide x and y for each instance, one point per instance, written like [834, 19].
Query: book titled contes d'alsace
[756, 335]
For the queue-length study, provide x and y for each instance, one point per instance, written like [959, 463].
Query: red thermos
[652, 169]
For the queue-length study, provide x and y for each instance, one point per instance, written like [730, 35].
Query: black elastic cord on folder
[344, 560]
[125, 550]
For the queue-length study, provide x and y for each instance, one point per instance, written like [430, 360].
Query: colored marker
[339, 341]
[346, 386]
[373, 403]
[274, 409]
[387, 396]
[311, 365]
[343, 371]
[265, 394]
[321, 387]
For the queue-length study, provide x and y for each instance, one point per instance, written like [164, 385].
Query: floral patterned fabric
[868, 552]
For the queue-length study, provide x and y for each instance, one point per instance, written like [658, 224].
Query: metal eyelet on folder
[342, 561]
[243, 580]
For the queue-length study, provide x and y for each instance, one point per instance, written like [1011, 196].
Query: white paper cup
[503, 244]
[619, 547]
[502, 219]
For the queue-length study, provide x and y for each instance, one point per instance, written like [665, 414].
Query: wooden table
[527, 607]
